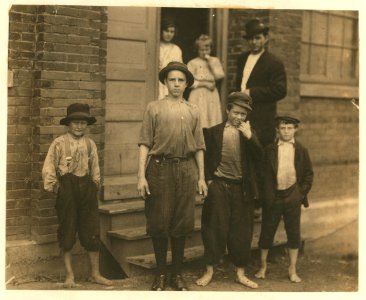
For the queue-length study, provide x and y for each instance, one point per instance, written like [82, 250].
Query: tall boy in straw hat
[71, 170]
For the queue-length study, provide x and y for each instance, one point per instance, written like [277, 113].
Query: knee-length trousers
[287, 205]
[227, 222]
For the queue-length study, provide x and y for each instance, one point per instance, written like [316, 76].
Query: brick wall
[22, 20]
[68, 65]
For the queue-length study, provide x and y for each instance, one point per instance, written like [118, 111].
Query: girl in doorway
[206, 70]
[168, 50]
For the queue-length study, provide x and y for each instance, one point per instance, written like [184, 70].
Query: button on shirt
[56, 162]
[230, 164]
[248, 68]
[286, 173]
[172, 128]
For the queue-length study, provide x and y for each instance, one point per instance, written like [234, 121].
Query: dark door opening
[191, 23]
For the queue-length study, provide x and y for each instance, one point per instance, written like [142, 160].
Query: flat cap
[288, 117]
[240, 99]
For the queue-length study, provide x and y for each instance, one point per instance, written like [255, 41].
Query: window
[329, 48]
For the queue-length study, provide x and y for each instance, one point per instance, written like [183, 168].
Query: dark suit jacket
[251, 155]
[303, 167]
[267, 84]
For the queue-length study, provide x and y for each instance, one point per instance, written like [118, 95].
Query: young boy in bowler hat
[71, 170]
[288, 177]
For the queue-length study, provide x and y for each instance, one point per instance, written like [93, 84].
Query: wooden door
[131, 73]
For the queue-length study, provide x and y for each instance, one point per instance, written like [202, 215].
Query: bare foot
[293, 275]
[294, 278]
[100, 280]
[70, 283]
[241, 278]
[205, 279]
[261, 274]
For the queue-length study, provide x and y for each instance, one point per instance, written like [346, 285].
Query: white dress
[168, 52]
[208, 101]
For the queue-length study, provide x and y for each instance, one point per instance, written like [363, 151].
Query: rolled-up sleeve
[49, 174]
[147, 128]
[198, 132]
[94, 164]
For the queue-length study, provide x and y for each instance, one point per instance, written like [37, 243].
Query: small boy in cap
[71, 170]
[232, 154]
[287, 179]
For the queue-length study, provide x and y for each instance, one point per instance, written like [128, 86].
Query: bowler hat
[78, 111]
[240, 99]
[176, 65]
[288, 117]
[253, 27]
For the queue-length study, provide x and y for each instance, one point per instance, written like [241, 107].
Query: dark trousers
[227, 221]
[170, 206]
[287, 205]
[77, 212]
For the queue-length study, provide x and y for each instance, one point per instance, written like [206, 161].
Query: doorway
[191, 23]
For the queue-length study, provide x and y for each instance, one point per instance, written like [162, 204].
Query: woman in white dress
[168, 50]
[206, 70]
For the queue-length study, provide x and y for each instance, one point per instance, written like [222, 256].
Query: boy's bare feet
[261, 274]
[70, 283]
[206, 278]
[242, 279]
[293, 276]
[100, 280]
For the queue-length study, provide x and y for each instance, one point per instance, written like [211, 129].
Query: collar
[228, 124]
[280, 142]
[257, 54]
[74, 137]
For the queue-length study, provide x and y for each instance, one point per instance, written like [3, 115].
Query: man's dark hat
[288, 117]
[253, 27]
[78, 111]
[241, 99]
[176, 65]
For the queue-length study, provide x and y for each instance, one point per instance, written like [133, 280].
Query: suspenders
[68, 149]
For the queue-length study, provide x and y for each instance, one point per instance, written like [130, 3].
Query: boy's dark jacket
[251, 153]
[303, 167]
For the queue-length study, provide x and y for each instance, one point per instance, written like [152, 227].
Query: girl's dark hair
[168, 22]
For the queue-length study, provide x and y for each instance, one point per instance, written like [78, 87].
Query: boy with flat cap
[232, 152]
[72, 170]
[171, 137]
[288, 177]
[261, 75]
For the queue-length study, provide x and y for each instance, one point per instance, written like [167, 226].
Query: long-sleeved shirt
[57, 163]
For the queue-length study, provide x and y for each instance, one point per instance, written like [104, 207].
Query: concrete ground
[325, 266]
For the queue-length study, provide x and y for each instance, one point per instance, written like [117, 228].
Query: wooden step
[129, 214]
[148, 261]
[138, 233]
[120, 187]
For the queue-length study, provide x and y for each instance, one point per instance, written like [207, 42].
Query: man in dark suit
[262, 76]
[288, 177]
[232, 150]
